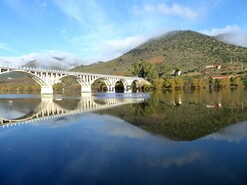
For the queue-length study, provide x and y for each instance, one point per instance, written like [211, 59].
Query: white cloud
[12, 61]
[94, 27]
[233, 133]
[70, 8]
[174, 10]
[239, 39]
[96, 49]
[231, 34]
[181, 160]
[174, 160]
[118, 127]
[88, 13]
[5, 47]
[217, 31]
[117, 47]
[46, 59]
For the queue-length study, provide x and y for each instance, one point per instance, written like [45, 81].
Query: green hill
[187, 49]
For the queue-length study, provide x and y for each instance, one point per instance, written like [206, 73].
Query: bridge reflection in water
[48, 107]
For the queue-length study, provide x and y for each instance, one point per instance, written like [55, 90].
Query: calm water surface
[194, 138]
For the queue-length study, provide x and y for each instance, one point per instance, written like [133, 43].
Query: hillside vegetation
[187, 49]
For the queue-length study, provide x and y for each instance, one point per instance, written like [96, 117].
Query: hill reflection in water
[87, 140]
[186, 116]
[178, 116]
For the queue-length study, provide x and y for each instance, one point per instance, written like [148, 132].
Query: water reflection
[186, 116]
[24, 110]
[100, 147]
[233, 133]
[177, 116]
[13, 108]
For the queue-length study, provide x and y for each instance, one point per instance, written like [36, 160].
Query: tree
[158, 84]
[225, 82]
[179, 83]
[169, 83]
[214, 83]
[197, 83]
[145, 70]
[164, 69]
[237, 82]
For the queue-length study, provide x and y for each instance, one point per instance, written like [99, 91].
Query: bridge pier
[127, 89]
[47, 97]
[47, 90]
[86, 89]
[110, 89]
[86, 94]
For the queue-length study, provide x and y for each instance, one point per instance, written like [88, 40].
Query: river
[170, 138]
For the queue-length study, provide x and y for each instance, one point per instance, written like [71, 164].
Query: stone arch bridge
[46, 78]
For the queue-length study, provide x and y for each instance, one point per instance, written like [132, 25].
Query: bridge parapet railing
[67, 72]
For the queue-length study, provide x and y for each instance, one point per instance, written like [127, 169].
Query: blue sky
[94, 30]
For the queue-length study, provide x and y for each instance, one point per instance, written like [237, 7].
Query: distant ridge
[53, 62]
[47, 60]
[187, 49]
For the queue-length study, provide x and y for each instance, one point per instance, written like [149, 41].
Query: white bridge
[46, 78]
[50, 108]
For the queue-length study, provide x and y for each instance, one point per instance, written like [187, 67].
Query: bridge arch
[29, 74]
[67, 83]
[136, 85]
[101, 84]
[121, 85]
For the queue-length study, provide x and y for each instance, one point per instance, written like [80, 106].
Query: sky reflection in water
[98, 148]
